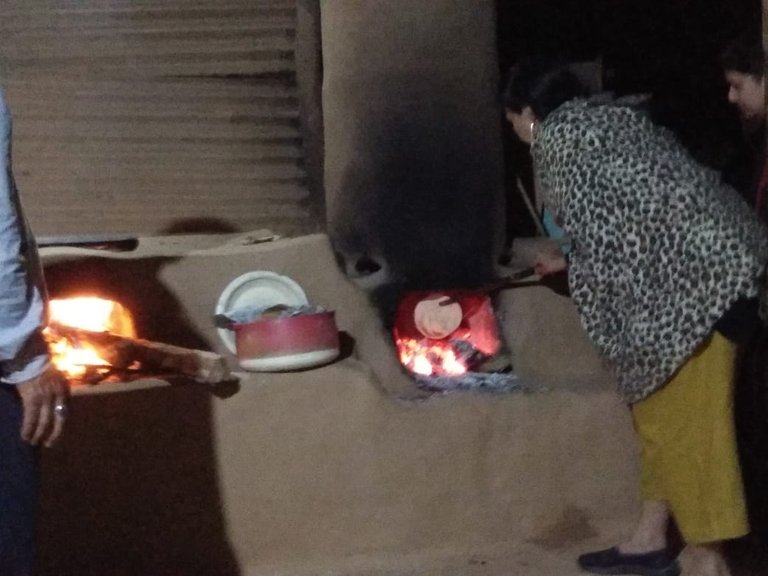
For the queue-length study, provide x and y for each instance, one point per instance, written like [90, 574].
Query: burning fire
[429, 345]
[437, 359]
[72, 355]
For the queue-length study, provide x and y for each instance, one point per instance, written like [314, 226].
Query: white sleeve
[23, 352]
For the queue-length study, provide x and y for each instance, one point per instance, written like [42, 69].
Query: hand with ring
[44, 400]
[60, 410]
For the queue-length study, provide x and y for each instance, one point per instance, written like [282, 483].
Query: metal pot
[278, 344]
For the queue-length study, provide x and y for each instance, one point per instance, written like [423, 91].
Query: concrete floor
[503, 559]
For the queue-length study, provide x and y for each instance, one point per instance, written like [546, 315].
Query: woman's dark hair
[543, 85]
[744, 54]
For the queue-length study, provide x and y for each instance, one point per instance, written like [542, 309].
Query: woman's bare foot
[651, 531]
[704, 560]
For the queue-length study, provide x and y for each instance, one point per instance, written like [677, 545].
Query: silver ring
[60, 410]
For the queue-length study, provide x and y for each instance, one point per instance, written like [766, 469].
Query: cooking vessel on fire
[290, 343]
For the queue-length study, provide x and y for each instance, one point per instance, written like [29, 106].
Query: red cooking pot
[277, 344]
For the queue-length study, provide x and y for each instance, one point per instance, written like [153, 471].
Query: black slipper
[613, 561]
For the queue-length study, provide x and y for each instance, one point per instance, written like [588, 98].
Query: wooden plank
[37, 16]
[39, 129]
[154, 357]
[133, 114]
[154, 89]
[110, 46]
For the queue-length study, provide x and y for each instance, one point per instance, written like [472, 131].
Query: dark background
[666, 48]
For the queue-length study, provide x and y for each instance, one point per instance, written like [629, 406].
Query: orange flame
[437, 358]
[87, 313]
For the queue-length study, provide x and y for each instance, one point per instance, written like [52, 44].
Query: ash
[468, 354]
[474, 382]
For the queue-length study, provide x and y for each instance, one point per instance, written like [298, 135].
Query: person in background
[743, 65]
[661, 253]
[33, 395]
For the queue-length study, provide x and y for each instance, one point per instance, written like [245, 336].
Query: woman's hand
[549, 262]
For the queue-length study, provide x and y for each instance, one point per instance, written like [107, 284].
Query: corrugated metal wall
[140, 115]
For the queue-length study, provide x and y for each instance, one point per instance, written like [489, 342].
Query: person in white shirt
[33, 394]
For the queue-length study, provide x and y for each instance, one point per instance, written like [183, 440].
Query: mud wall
[412, 135]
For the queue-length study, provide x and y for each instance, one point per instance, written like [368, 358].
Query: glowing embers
[445, 333]
[73, 335]
[428, 360]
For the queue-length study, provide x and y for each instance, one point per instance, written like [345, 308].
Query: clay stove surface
[341, 469]
[319, 472]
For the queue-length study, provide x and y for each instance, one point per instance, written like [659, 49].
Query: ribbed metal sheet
[134, 116]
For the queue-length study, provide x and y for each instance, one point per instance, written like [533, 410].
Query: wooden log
[200, 365]
[121, 352]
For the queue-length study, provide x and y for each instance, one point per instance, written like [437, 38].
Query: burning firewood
[124, 354]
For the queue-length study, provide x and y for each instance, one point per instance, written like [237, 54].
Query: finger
[43, 423]
[58, 422]
[61, 387]
[29, 421]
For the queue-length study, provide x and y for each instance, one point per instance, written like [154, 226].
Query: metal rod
[531, 208]
[512, 281]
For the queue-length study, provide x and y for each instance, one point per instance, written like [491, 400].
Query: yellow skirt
[688, 441]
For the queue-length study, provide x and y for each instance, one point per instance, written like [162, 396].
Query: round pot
[277, 344]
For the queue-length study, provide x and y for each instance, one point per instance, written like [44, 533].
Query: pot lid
[256, 289]
[437, 316]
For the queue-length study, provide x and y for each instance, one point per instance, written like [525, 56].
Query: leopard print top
[661, 248]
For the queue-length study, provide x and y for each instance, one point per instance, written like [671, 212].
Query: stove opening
[73, 334]
[450, 340]
[445, 333]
